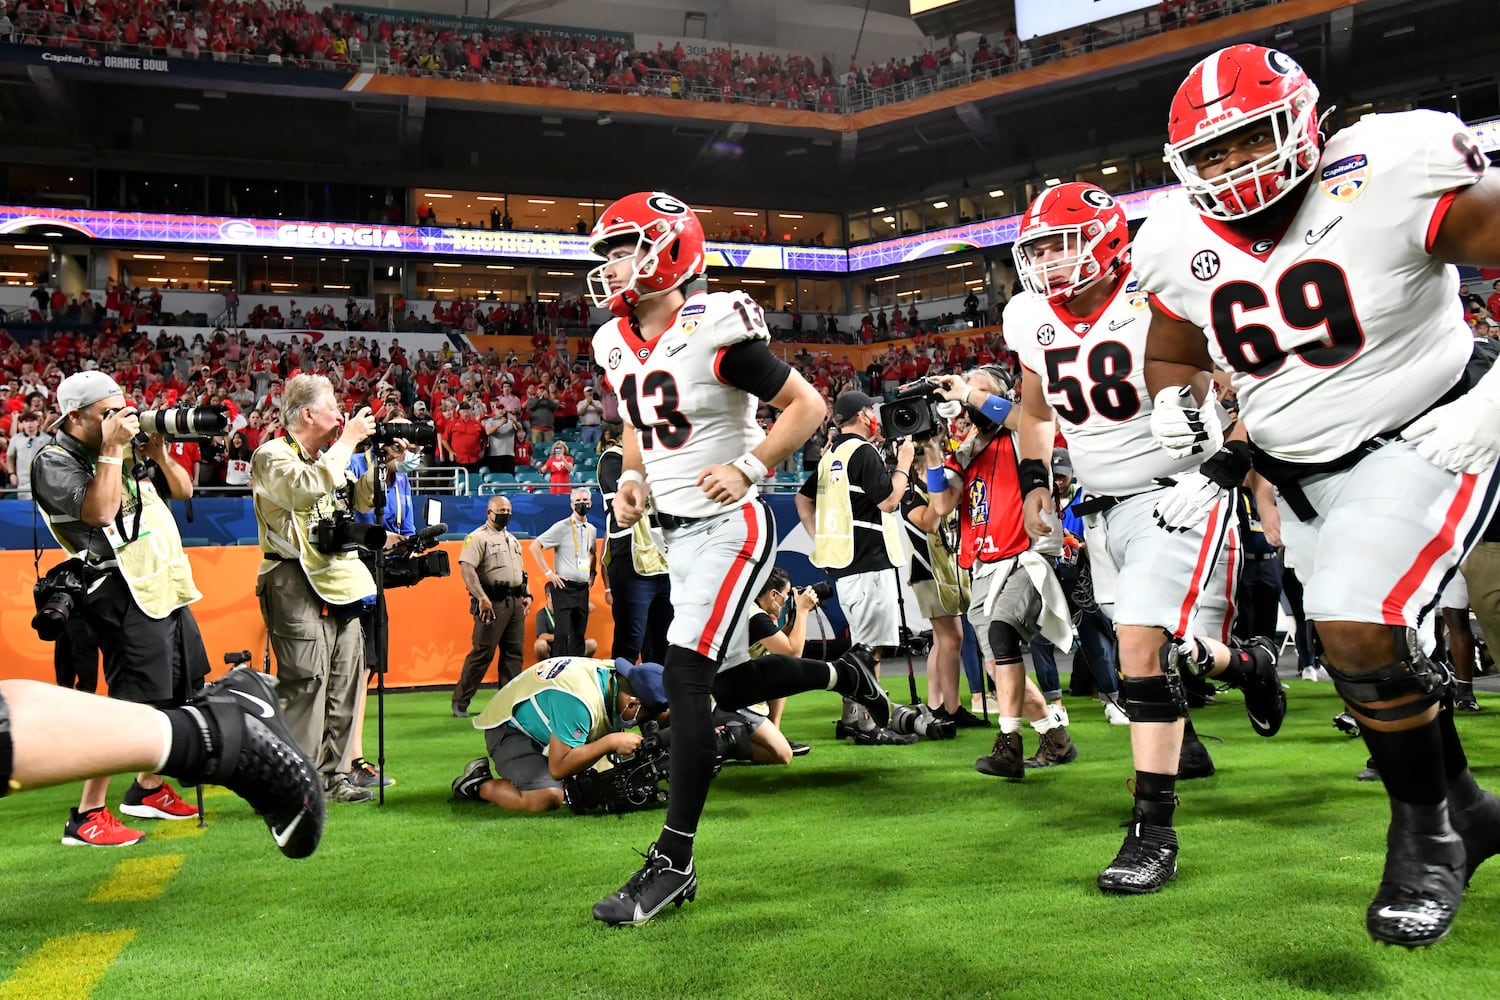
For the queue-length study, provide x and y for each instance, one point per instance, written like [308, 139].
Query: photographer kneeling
[554, 721]
[313, 589]
[102, 491]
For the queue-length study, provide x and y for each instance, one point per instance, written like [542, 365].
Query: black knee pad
[6, 754]
[1409, 673]
[1005, 642]
[1151, 699]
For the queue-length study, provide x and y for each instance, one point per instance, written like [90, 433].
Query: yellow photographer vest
[154, 565]
[833, 537]
[646, 556]
[951, 580]
[576, 675]
[339, 579]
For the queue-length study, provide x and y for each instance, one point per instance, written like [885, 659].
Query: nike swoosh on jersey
[1313, 237]
[1115, 324]
[674, 349]
[262, 706]
[285, 833]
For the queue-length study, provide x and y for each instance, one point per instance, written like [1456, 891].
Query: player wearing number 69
[1318, 274]
[1080, 331]
[690, 368]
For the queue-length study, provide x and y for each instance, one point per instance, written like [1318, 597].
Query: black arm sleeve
[750, 365]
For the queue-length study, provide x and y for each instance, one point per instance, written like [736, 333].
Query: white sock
[166, 741]
[1046, 723]
[1009, 724]
[833, 678]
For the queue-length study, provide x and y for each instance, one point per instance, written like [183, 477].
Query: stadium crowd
[402, 43]
[488, 409]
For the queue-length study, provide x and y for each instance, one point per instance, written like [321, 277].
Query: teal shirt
[568, 715]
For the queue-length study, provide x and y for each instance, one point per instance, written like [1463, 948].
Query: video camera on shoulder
[913, 413]
[407, 563]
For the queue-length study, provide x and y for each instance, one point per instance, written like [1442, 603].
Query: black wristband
[1229, 466]
[1034, 475]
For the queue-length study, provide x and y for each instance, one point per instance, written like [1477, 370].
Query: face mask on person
[581, 509]
[500, 520]
[410, 462]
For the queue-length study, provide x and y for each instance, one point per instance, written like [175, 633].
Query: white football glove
[1183, 428]
[1186, 504]
[1464, 435]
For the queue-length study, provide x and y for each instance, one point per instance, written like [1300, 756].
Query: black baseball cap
[849, 404]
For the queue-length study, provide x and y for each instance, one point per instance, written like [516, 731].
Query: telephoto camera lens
[186, 422]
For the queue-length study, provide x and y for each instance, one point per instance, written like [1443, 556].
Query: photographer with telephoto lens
[102, 487]
[312, 586]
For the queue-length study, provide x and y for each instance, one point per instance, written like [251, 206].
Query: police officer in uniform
[636, 568]
[494, 574]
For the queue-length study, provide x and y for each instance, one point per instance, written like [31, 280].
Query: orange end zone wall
[430, 624]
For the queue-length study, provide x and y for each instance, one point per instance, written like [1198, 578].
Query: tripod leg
[202, 820]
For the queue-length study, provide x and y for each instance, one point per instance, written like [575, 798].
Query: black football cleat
[1146, 862]
[1478, 825]
[648, 892]
[1193, 760]
[1265, 698]
[254, 755]
[1423, 882]
[859, 682]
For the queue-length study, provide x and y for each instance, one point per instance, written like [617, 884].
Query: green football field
[856, 872]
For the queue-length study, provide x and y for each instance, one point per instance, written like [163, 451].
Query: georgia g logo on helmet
[1097, 198]
[666, 204]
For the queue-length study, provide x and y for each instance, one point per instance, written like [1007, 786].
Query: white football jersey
[1093, 371]
[686, 417]
[1344, 326]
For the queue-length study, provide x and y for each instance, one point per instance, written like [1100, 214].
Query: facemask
[500, 521]
[411, 462]
[581, 509]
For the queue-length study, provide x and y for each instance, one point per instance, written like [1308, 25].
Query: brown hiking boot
[1004, 760]
[1056, 748]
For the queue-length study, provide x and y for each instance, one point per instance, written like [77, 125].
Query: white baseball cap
[81, 390]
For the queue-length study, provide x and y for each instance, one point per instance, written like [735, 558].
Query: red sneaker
[99, 829]
[159, 803]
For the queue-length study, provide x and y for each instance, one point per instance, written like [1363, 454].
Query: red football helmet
[1095, 241]
[1236, 87]
[667, 242]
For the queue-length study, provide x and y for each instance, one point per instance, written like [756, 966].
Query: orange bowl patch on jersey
[1344, 179]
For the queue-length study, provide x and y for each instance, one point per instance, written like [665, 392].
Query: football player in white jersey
[1318, 274]
[690, 370]
[1080, 331]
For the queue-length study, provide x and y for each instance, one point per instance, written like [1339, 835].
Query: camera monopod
[905, 635]
[378, 623]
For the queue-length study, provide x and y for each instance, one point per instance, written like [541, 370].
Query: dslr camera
[418, 435]
[58, 595]
[342, 533]
[913, 413]
[921, 720]
[915, 643]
